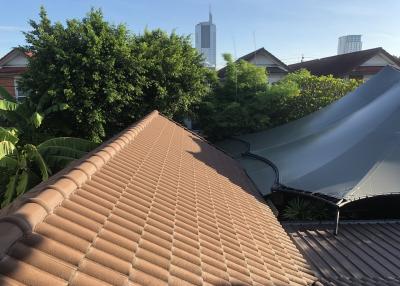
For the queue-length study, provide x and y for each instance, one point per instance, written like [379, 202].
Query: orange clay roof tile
[155, 205]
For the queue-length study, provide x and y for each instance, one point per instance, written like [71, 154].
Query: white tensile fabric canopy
[347, 151]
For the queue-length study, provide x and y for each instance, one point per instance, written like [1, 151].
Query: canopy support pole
[336, 231]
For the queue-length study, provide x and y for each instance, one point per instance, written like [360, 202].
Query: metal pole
[337, 221]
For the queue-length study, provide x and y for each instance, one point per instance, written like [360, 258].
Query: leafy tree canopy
[241, 102]
[244, 102]
[108, 76]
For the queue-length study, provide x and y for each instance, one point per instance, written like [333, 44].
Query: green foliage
[303, 209]
[244, 102]
[26, 118]
[108, 76]
[22, 164]
[316, 92]
[5, 95]
[174, 77]
[241, 102]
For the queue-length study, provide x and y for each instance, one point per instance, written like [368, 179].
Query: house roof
[364, 253]
[12, 54]
[280, 69]
[341, 65]
[356, 138]
[155, 205]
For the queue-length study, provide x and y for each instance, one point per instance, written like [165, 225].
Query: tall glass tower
[206, 41]
[349, 44]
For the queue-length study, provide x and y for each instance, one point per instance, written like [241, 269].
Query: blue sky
[287, 28]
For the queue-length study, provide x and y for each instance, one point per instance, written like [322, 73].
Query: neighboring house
[155, 205]
[358, 65]
[276, 68]
[12, 65]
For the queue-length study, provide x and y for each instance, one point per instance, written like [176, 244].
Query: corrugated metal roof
[363, 253]
[156, 205]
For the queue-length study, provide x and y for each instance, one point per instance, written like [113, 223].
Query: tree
[108, 76]
[316, 92]
[23, 164]
[242, 102]
[175, 79]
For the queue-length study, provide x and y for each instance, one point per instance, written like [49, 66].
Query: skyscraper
[206, 41]
[349, 44]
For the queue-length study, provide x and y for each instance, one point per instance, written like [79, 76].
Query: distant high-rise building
[206, 41]
[349, 44]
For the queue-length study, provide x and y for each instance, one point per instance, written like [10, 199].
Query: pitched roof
[12, 54]
[156, 205]
[341, 65]
[364, 253]
[249, 56]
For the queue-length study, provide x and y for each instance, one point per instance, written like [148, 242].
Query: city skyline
[288, 29]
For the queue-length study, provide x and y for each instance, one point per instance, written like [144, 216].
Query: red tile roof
[156, 205]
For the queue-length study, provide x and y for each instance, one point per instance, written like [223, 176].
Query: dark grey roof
[341, 65]
[347, 151]
[364, 253]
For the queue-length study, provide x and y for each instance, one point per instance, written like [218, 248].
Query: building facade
[206, 41]
[12, 66]
[274, 67]
[349, 44]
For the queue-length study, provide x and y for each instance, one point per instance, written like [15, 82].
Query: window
[20, 95]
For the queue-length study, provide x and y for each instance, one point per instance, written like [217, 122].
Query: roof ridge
[377, 49]
[21, 216]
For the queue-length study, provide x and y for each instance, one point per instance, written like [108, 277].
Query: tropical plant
[23, 164]
[27, 116]
[304, 209]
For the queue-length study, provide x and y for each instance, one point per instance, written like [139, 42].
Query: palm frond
[6, 148]
[8, 105]
[6, 95]
[68, 142]
[34, 155]
[8, 135]
[55, 108]
[9, 163]
[36, 119]
[57, 162]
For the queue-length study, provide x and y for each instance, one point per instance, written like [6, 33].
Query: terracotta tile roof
[156, 205]
[363, 253]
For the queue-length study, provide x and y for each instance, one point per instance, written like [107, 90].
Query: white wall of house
[378, 61]
[275, 77]
[18, 61]
[263, 60]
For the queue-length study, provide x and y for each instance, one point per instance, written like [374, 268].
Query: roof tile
[155, 205]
